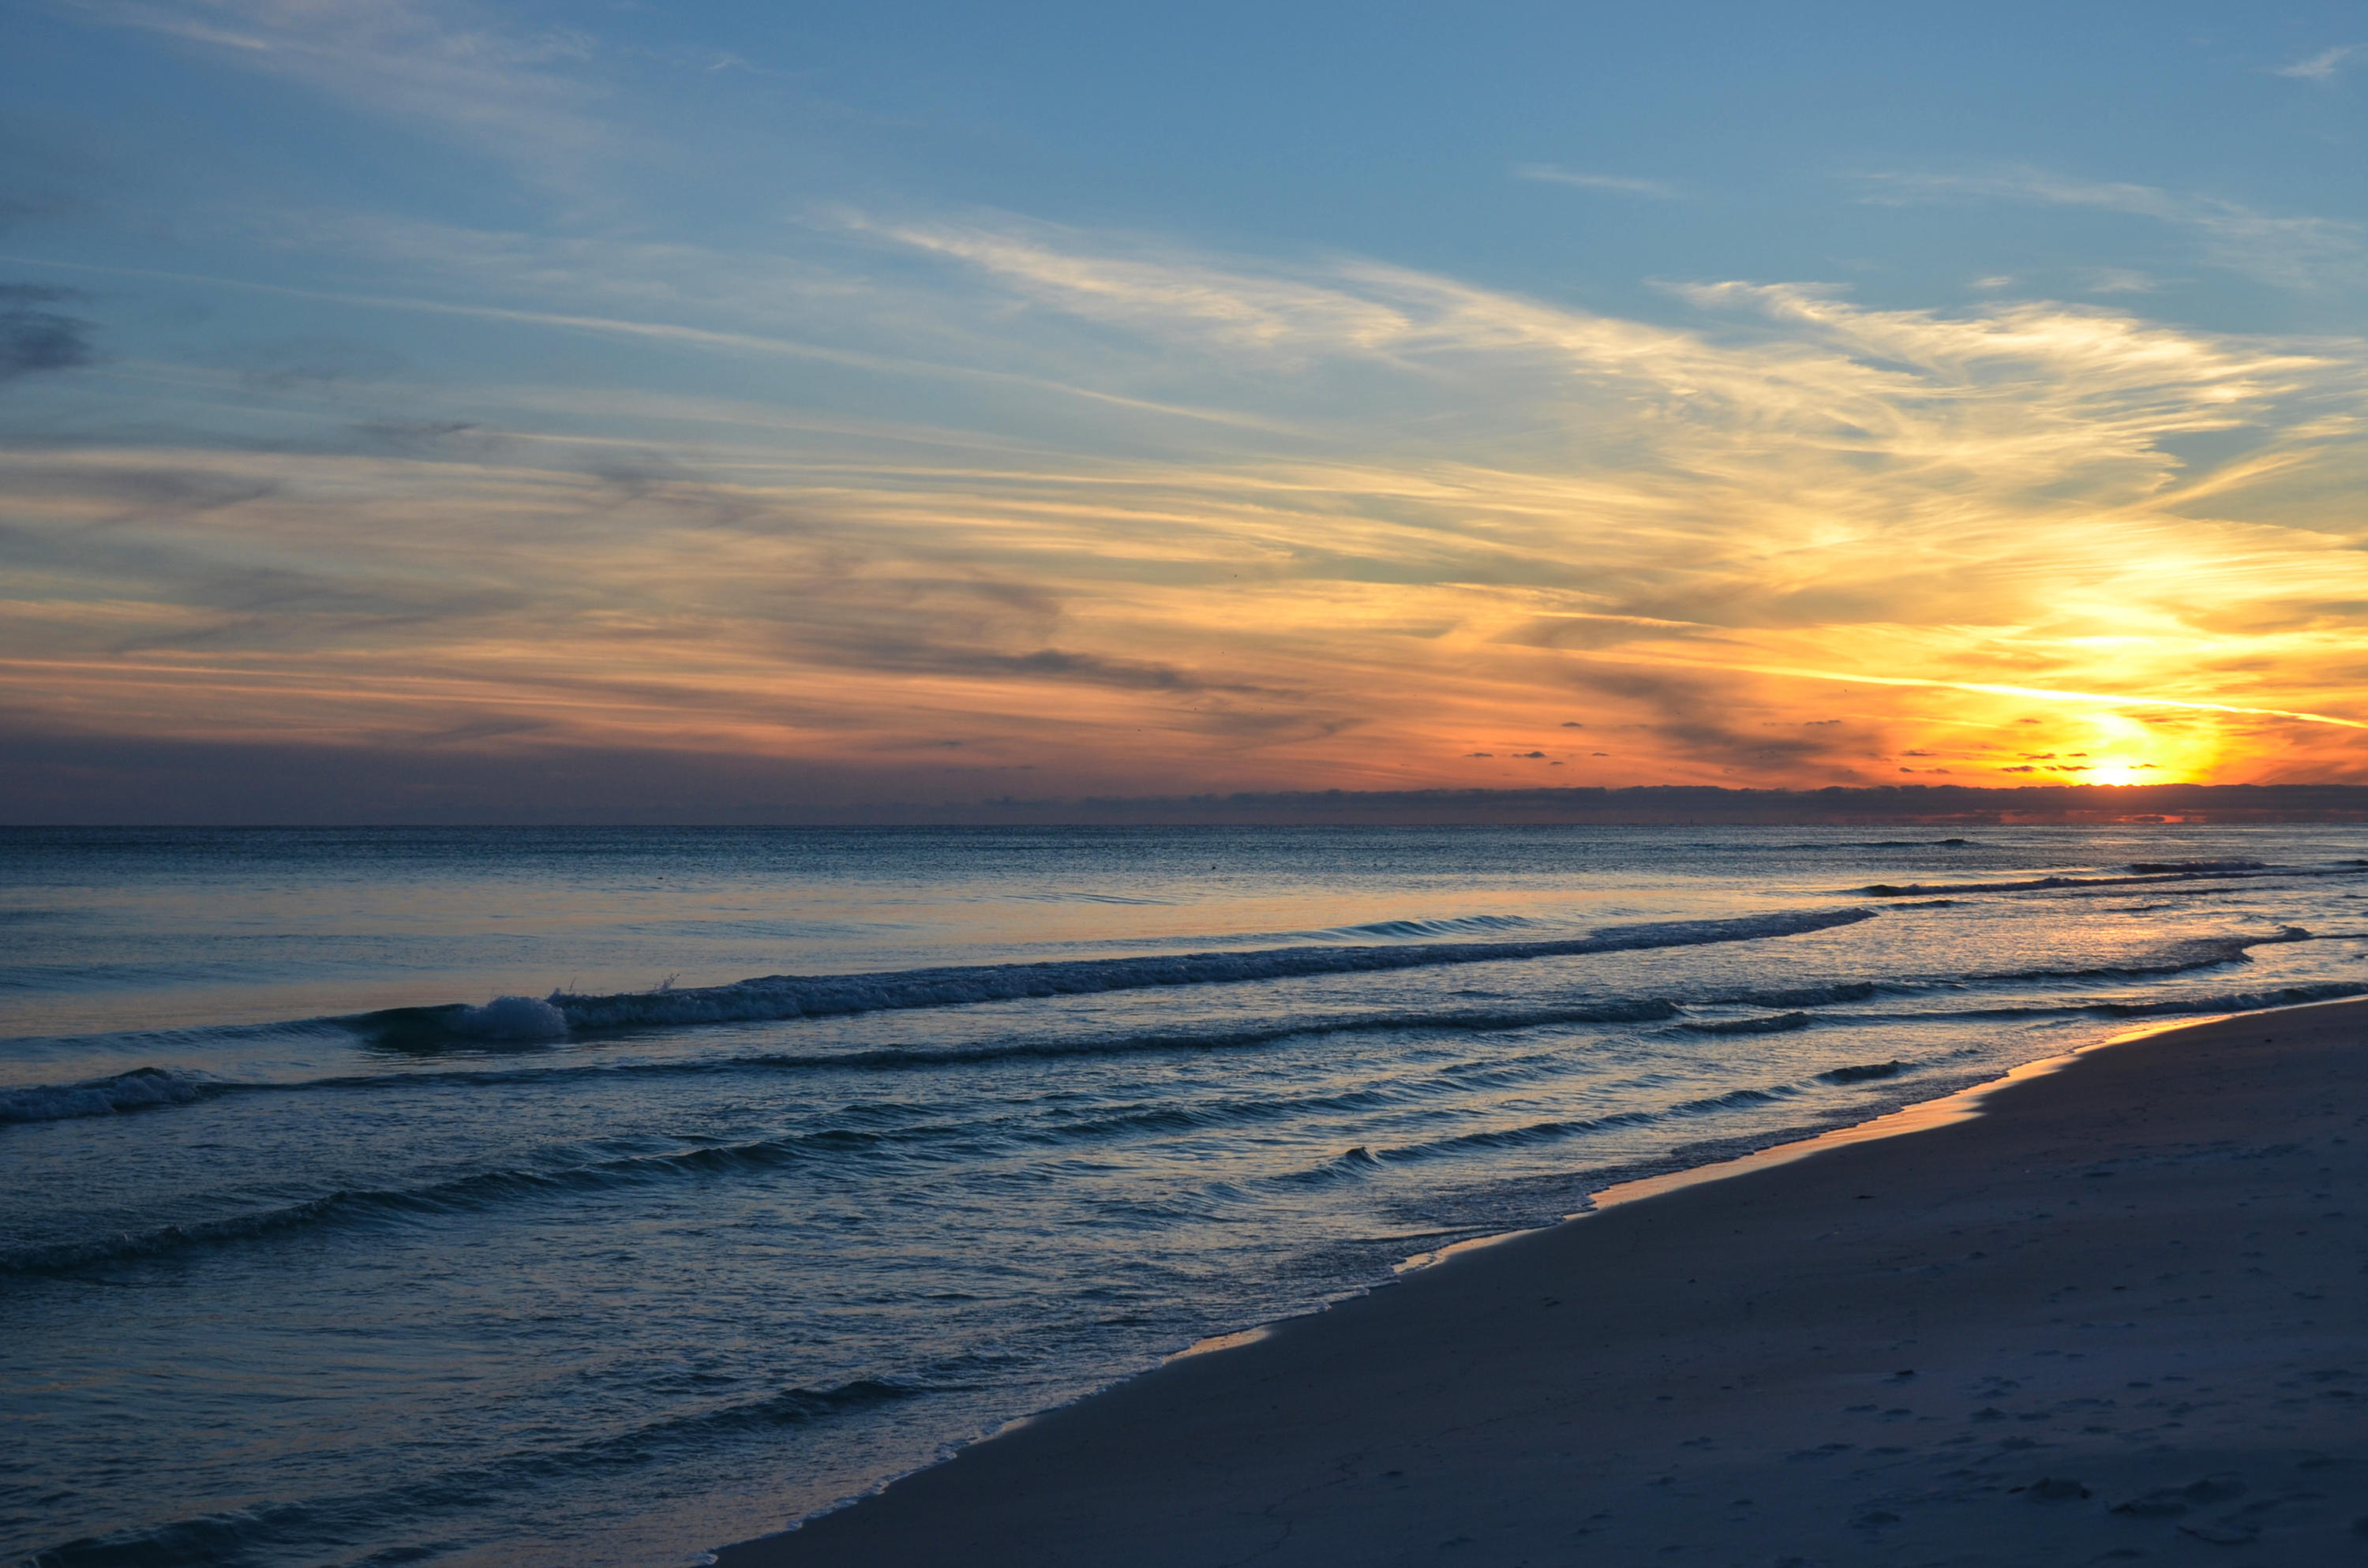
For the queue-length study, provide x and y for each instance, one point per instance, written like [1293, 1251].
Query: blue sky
[929, 402]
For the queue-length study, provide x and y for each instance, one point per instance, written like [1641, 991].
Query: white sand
[2120, 1316]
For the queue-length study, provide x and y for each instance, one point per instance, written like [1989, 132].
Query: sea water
[597, 1197]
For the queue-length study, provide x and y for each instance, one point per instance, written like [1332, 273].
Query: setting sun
[892, 505]
[736, 739]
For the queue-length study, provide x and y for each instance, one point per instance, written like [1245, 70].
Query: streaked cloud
[1617, 185]
[2118, 280]
[909, 496]
[2292, 251]
[1480, 507]
[2322, 66]
[520, 95]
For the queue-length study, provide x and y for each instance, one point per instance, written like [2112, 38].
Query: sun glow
[1998, 573]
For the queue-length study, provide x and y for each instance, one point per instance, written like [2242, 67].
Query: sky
[413, 409]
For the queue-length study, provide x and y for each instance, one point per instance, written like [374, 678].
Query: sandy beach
[2122, 1314]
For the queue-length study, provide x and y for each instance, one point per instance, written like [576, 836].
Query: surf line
[823, 995]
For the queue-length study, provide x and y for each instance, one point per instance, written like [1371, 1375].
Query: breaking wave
[2200, 952]
[824, 995]
[1786, 1010]
[1775, 1023]
[2236, 1001]
[1462, 925]
[2147, 873]
[1560, 1131]
[931, 1141]
[1884, 844]
[150, 1087]
[138, 1089]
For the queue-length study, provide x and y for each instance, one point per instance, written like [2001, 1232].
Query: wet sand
[2122, 1315]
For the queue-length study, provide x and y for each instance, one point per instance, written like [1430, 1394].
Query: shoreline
[1900, 1121]
[1465, 1414]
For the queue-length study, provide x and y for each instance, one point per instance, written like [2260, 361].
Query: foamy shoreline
[2119, 1312]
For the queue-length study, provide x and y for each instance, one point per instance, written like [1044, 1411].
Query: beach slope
[2122, 1315]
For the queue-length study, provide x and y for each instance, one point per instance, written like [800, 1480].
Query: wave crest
[136, 1090]
[510, 1018]
[792, 996]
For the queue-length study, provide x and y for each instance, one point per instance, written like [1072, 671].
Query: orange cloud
[1208, 526]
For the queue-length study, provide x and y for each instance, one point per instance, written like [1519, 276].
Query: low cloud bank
[1932, 805]
[60, 780]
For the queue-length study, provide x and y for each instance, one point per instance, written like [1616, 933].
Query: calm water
[312, 1251]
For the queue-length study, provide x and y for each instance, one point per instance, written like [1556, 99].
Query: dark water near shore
[312, 1251]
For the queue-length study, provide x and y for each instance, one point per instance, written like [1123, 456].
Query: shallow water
[309, 1256]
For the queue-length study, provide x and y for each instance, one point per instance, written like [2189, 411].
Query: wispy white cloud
[1270, 311]
[2292, 251]
[2118, 280]
[2322, 66]
[1618, 184]
[526, 97]
[1100, 501]
[687, 336]
[1422, 505]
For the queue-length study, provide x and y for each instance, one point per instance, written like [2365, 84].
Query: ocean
[599, 1196]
